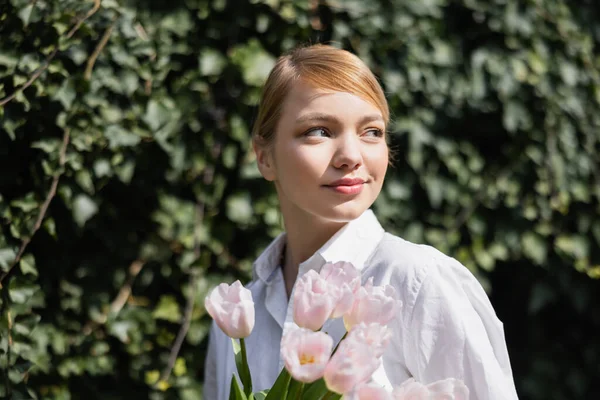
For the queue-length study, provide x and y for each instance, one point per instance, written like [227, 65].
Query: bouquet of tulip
[314, 369]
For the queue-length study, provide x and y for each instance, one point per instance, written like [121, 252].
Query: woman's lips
[347, 189]
[347, 186]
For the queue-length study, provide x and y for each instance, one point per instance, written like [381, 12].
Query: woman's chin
[344, 212]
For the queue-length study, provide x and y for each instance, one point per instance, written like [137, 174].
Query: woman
[320, 137]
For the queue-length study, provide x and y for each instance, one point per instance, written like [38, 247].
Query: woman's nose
[348, 152]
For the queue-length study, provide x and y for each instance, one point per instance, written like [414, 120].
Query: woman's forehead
[306, 98]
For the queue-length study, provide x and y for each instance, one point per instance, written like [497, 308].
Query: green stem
[248, 389]
[338, 345]
[299, 394]
[328, 395]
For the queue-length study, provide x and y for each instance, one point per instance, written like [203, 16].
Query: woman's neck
[304, 236]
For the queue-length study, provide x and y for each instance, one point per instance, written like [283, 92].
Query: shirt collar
[269, 260]
[354, 243]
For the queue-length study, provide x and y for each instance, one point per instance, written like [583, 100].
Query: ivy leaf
[25, 13]
[7, 257]
[156, 115]
[254, 62]
[239, 208]
[66, 93]
[119, 137]
[167, 309]
[84, 208]
[28, 265]
[535, 247]
[211, 62]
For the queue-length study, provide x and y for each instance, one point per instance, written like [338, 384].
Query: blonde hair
[324, 67]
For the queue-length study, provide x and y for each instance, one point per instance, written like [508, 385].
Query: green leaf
[119, 137]
[280, 387]
[8, 60]
[575, 246]
[315, 390]
[167, 309]
[157, 115]
[262, 395]
[236, 392]
[66, 93]
[122, 330]
[7, 257]
[180, 367]
[254, 62]
[241, 361]
[84, 208]
[21, 293]
[151, 377]
[295, 390]
[178, 22]
[26, 204]
[125, 171]
[25, 13]
[211, 62]
[535, 247]
[102, 168]
[28, 265]
[239, 208]
[84, 178]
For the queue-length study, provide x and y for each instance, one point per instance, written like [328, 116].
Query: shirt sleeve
[454, 333]
[210, 367]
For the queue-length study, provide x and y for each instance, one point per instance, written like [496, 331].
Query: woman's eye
[374, 133]
[317, 132]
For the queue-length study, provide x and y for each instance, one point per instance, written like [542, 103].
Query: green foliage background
[128, 188]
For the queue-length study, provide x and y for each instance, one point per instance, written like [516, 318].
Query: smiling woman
[320, 137]
[328, 159]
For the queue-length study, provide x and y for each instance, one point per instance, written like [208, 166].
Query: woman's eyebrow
[332, 118]
[317, 117]
[370, 118]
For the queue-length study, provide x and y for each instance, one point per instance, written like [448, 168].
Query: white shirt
[445, 328]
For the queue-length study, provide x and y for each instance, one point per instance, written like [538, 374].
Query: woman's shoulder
[408, 263]
[398, 252]
[423, 275]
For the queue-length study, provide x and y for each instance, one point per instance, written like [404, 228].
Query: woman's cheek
[314, 160]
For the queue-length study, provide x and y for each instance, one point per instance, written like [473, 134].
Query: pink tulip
[306, 353]
[368, 391]
[352, 364]
[447, 389]
[344, 281]
[372, 304]
[314, 301]
[376, 336]
[232, 309]
[410, 390]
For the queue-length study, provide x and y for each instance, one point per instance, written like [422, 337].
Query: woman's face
[329, 156]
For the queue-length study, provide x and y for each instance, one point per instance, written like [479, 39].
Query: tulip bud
[376, 304]
[314, 301]
[376, 336]
[352, 364]
[410, 390]
[447, 389]
[368, 391]
[344, 280]
[232, 309]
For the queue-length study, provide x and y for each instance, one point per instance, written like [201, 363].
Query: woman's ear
[264, 160]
